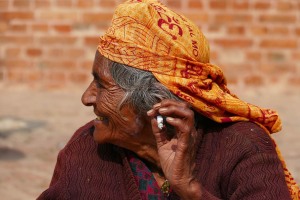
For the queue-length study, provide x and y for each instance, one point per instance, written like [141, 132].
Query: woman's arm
[256, 172]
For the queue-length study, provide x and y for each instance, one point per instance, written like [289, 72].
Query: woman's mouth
[100, 118]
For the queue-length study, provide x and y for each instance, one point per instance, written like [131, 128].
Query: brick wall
[50, 44]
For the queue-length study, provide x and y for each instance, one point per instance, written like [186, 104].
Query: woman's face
[111, 125]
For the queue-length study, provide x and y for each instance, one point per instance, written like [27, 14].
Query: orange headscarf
[147, 35]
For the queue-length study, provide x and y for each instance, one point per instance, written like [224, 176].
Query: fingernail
[170, 119]
[149, 112]
[157, 105]
[162, 110]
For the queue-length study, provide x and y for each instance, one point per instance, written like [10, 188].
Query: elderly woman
[167, 127]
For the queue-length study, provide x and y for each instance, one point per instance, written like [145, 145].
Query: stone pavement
[35, 125]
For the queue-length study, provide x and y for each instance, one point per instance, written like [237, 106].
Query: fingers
[176, 154]
[178, 114]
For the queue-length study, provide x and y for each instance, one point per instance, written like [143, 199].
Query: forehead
[101, 67]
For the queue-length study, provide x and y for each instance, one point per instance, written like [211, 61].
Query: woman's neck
[146, 149]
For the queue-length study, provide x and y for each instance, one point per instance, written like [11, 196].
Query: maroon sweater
[234, 161]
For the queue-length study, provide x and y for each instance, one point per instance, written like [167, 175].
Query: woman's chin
[98, 134]
[98, 137]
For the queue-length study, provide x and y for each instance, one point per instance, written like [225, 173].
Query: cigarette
[160, 122]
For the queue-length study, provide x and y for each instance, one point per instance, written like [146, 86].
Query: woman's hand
[177, 154]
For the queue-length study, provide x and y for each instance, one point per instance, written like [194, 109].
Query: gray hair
[142, 90]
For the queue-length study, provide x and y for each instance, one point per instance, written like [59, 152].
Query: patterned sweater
[234, 161]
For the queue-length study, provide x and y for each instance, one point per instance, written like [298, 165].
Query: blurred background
[46, 52]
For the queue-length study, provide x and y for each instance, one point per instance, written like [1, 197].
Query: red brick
[231, 18]
[18, 27]
[12, 52]
[254, 80]
[96, 17]
[102, 26]
[284, 31]
[19, 40]
[69, 53]
[84, 3]
[15, 76]
[236, 30]
[86, 65]
[296, 56]
[20, 15]
[55, 53]
[263, 30]
[52, 40]
[4, 4]
[294, 81]
[214, 55]
[175, 4]
[197, 17]
[54, 80]
[262, 5]
[107, 4]
[3, 26]
[48, 34]
[60, 15]
[74, 53]
[53, 86]
[21, 3]
[232, 80]
[58, 64]
[273, 69]
[2, 75]
[214, 28]
[240, 5]
[17, 63]
[232, 70]
[42, 3]
[40, 27]
[276, 18]
[217, 4]
[259, 30]
[34, 52]
[32, 77]
[62, 28]
[79, 77]
[195, 4]
[93, 41]
[283, 43]
[297, 31]
[230, 43]
[285, 6]
[253, 56]
[276, 56]
[64, 3]
[55, 76]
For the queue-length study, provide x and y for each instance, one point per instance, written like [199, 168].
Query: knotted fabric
[147, 35]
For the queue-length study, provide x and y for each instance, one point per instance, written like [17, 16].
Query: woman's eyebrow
[96, 76]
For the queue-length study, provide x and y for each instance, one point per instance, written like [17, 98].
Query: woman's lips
[100, 118]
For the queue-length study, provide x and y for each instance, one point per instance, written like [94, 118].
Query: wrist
[191, 191]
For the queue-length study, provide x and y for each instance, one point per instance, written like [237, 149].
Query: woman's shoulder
[84, 131]
[239, 135]
[81, 139]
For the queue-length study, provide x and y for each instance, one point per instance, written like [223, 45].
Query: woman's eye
[98, 84]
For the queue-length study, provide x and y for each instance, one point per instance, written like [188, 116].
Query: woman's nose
[89, 96]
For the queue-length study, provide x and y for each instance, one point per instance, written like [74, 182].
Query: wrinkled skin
[140, 133]
[177, 155]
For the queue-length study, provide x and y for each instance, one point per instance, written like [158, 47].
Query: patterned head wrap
[147, 35]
